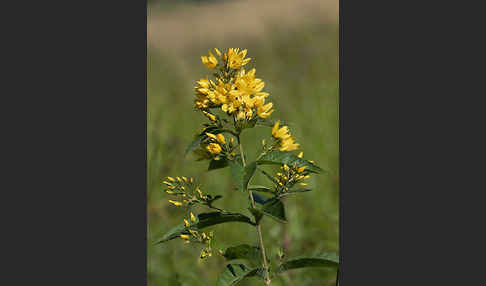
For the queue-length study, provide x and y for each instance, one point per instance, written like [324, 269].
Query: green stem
[258, 227]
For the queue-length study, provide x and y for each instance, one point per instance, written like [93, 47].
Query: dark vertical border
[78, 151]
[340, 269]
[402, 188]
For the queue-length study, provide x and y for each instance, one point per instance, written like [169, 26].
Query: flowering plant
[236, 94]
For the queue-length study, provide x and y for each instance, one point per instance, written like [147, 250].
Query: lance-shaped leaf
[205, 220]
[234, 273]
[259, 198]
[217, 164]
[274, 208]
[278, 157]
[244, 251]
[296, 191]
[260, 189]
[324, 260]
[242, 175]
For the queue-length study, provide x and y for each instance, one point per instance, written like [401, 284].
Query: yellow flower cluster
[186, 190]
[215, 148]
[236, 92]
[285, 140]
[289, 176]
[195, 236]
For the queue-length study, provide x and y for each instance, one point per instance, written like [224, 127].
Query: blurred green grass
[300, 69]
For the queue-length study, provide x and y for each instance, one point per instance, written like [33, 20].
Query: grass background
[295, 51]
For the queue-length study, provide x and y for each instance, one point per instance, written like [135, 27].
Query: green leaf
[278, 157]
[260, 189]
[244, 251]
[268, 176]
[275, 209]
[291, 192]
[236, 168]
[242, 175]
[234, 273]
[212, 218]
[259, 198]
[324, 260]
[205, 220]
[218, 164]
[257, 214]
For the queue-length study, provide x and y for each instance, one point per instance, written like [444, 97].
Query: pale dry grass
[236, 20]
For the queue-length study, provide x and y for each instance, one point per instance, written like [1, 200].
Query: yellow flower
[211, 136]
[219, 95]
[240, 116]
[301, 155]
[220, 138]
[301, 169]
[248, 84]
[286, 141]
[209, 115]
[288, 145]
[217, 52]
[210, 61]
[280, 133]
[193, 217]
[203, 82]
[236, 59]
[201, 102]
[186, 222]
[303, 184]
[214, 148]
[265, 111]
[231, 106]
[167, 183]
[184, 178]
[177, 204]
[171, 179]
[184, 236]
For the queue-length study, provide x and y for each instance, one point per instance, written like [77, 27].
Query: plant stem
[258, 227]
